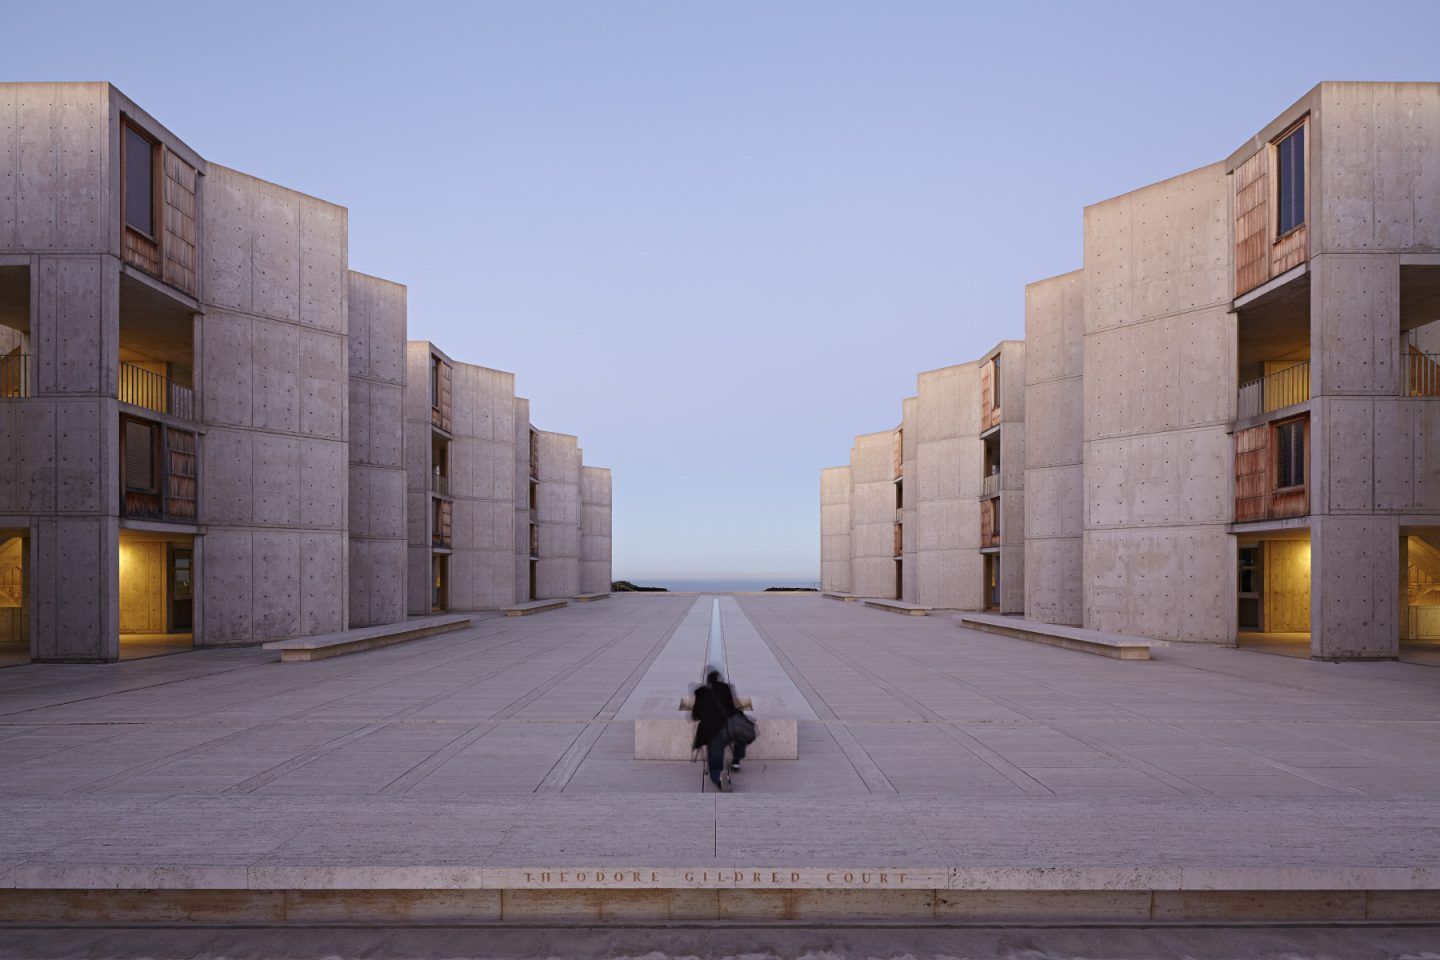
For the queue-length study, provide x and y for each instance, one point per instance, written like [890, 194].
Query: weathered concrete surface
[872, 515]
[1159, 394]
[1054, 471]
[558, 516]
[482, 460]
[946, 488]
[275, 401]
[595, 544]
[835, 529]
[525, 482]
[376, 323]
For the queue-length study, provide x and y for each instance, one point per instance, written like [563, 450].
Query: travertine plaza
[214, 431]
[1218, 430]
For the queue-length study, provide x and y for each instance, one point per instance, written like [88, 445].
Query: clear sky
[716, 240]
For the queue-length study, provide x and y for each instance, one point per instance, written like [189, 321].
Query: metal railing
[15, 375]
[439, 483]
[1422, 374]
[990, 485]
[155, 391]
[1283, 388]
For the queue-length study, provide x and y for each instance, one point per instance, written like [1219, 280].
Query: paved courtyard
[506, 746]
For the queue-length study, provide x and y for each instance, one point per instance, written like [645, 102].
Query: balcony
[156, 391]
[990, 485]
[1422, 374]
[1276, 391]
[15, 375]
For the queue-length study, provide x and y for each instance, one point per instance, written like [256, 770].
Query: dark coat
[713, 706]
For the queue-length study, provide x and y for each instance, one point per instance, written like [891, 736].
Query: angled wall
[377, 545]
[482, 488]
[274, 397]
[526, 488]
[1012, 476]
[595, 529]
[910, 529]
[835, 526]
[873, 515]
[558, 516]
[1159, 387]
[1054, 474]
[947, 488]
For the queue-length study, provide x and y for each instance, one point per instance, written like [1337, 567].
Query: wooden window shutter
[1252, 474]
[987, 394]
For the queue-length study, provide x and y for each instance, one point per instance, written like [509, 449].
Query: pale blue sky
[693, 230]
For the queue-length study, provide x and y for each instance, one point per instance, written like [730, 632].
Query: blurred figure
[714, 706]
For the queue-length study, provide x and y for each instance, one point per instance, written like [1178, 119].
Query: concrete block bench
[587, 597]
[898, 606]
[366, 638]
[836, 595]
[534, 606]
[1116, 645]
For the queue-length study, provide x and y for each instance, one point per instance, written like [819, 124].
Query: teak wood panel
[440, 536]
[440, 414]
[140, 251]
[989, 405]
[1260, 255]
[1252, 222]
[178, 238]
[1253, 465]
[181, 474]
[990, 522]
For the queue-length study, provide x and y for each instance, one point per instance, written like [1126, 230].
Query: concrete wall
[1159, 394]
[142, 586]
[558, 514]
[275, 405]
[595, 530]
[872, 512]
[1054, 474]
[482, 485]
[1012, 476]
[523, 515]
[835, 529]
[418, 515]
[910, 513]
[948, 458]
[376, 323]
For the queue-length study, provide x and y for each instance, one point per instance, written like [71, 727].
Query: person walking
[713, 708]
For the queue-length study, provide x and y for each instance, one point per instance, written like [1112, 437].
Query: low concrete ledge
[898, 606]
[534, 606]
[836, 595]
[669, 738]
[1116, 645]
[366, 638]
[588, 597]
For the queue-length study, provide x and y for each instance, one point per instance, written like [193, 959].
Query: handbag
[740, 729]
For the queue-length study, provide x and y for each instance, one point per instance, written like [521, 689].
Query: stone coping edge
[279, 876]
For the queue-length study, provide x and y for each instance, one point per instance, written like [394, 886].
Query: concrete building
[932, 511]
[1229, 403]
[203, 408]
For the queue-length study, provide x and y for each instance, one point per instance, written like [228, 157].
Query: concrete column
[75, 589]
[1355, 587]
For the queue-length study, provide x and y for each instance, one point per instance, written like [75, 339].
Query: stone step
[534, 606]
[836, 595]
[588, 597]
[365, 638]
[1116, 645]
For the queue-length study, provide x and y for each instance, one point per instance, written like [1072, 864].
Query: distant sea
[720, 586]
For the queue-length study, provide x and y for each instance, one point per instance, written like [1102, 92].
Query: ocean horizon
[721, 584]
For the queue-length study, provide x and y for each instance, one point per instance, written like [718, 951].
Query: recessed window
[139, 182]
[1290, 454]
[995, 386]
[1290, 180]
[435, 382]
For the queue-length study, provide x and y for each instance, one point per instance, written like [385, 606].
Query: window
[139, 164]
[1290, 454]
[139, 442]
[1290, 180]
[995, 385]
[435, 382]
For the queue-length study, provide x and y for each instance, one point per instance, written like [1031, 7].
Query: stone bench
[836, 595]
[898, 606]
[1116, 645]
[534, 606]
[588, 597]
[365, 638]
